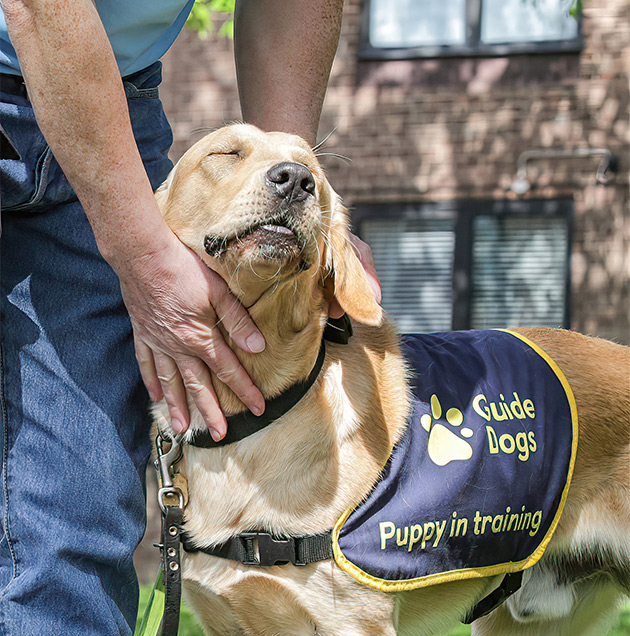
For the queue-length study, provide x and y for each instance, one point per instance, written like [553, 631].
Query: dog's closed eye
[224, 153]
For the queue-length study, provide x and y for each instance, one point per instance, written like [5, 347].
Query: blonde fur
[300, 474]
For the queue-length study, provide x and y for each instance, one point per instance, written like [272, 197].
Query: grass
[188, 626]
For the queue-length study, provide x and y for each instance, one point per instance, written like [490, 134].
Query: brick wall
[440, 129]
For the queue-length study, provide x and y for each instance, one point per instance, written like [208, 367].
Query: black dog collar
[245, 423]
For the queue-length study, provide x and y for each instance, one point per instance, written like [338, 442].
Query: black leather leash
[171, 500]
[171, 565]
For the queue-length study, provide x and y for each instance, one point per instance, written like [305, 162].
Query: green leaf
[203, 14]
[576, 9]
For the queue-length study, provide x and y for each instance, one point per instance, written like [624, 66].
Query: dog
[257, 208]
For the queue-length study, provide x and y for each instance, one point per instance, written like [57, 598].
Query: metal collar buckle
[262, 549]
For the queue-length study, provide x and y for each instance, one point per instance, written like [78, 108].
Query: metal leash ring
[168, 491]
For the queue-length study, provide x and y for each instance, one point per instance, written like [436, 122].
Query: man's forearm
[174, 301]
[76, 91]
[284, 53]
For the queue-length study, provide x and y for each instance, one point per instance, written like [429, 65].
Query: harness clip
[262, 549]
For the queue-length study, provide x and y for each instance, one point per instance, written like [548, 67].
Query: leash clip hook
[164, 463]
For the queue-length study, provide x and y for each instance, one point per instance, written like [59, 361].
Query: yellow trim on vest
[384, 585]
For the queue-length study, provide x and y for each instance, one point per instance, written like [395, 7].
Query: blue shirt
[140, 32]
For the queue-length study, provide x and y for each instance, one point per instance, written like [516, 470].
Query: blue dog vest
[477, 484]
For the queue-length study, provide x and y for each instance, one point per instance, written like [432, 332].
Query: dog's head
[258, 209]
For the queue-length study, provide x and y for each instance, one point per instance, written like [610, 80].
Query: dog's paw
[444, 445]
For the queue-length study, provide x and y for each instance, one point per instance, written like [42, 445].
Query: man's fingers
[198, 383]
[223, 361]
[144, 356]
[173, 389]
[236, 320]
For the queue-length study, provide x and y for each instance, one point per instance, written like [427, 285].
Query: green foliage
[205, 12]
[576, 8]
[622, 628]
[188, 625]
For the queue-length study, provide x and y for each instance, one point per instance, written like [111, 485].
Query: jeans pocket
[133, 92]
[152, 132]
[26, 183]
[23, 180]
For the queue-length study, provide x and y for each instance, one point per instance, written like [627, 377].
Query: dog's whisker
[320, 144]
[205, 129]
[275, 288]
[236, 279]
[219, 320]
[334, 154]
[317, 270]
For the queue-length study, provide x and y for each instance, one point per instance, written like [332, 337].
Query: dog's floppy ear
[345, 277]
[161, 194]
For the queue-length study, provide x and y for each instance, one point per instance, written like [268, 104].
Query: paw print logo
[444, 445]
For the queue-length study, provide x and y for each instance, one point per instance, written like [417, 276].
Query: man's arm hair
[77, 94]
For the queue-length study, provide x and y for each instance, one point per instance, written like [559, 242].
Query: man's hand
[176, 304]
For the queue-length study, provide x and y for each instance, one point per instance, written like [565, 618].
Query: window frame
[473, 47]
[464, 213]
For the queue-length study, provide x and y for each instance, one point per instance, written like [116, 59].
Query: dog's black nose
[291, 181]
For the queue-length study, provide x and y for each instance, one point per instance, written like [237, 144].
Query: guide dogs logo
[444, 445]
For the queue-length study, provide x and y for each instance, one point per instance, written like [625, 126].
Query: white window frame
[474, 46]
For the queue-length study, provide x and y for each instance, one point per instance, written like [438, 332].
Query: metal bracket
[606, 169]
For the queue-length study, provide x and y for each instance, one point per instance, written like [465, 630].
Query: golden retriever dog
[257, 208]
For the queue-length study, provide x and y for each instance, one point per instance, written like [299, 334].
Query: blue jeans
[75, 428]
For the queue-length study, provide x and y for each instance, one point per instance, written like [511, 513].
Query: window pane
[408, 23]
[414, 260]
[504, 21]
[519, 272]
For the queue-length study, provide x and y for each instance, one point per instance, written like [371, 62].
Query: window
[425, 28]
[414, 258]
[471, 265]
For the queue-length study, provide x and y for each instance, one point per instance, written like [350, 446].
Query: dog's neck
[292, 325]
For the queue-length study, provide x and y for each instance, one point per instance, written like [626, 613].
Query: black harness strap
[510, 584]
[263, 549]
